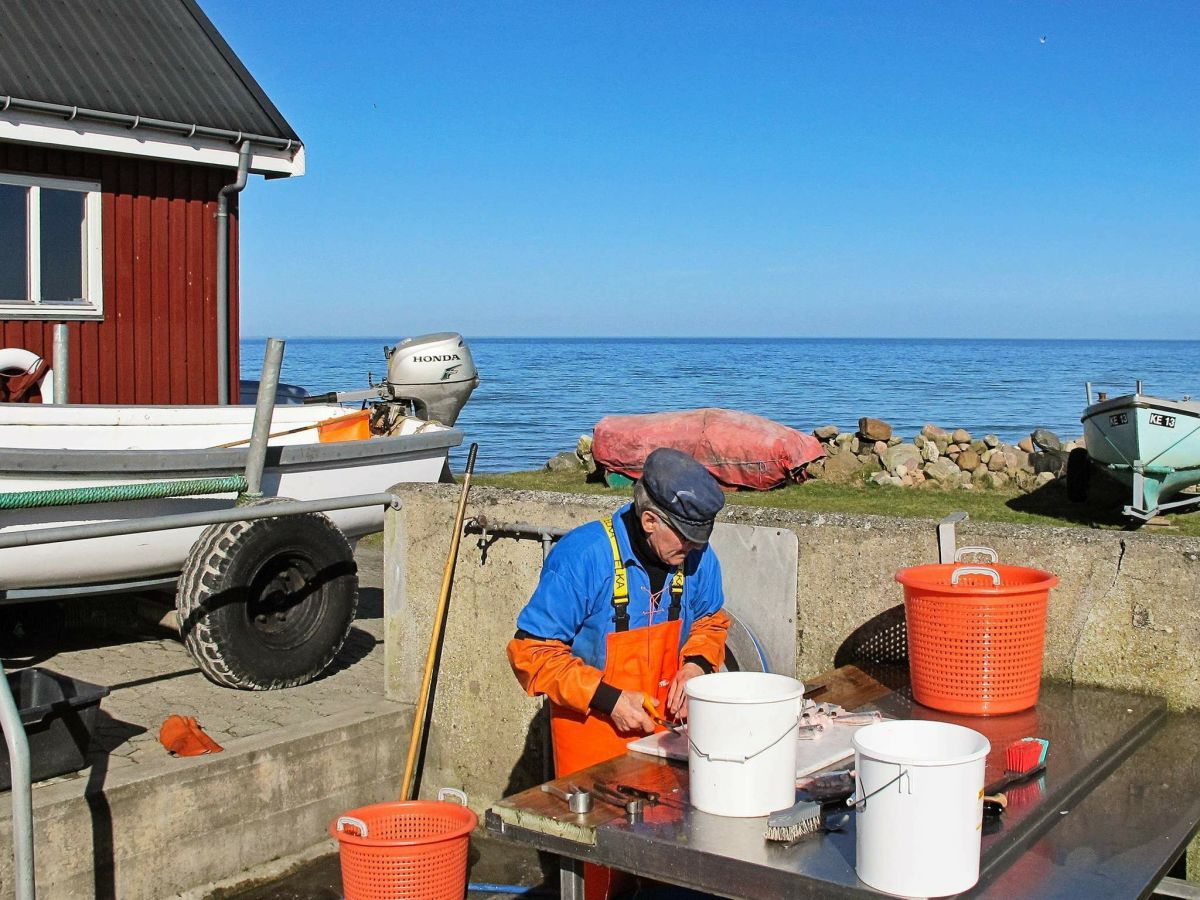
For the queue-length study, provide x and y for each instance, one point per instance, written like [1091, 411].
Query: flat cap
[684, 490]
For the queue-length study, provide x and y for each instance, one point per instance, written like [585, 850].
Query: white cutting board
[811, 756]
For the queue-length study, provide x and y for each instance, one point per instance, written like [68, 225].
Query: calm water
[539, 394]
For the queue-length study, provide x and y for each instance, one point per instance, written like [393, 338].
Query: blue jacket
[573, 599]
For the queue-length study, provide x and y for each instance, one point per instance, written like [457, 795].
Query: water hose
[149, 490]
[516, 890]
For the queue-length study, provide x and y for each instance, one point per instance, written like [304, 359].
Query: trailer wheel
[267, 603]
[1079, 475]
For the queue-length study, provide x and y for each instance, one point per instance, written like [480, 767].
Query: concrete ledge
[156, 830]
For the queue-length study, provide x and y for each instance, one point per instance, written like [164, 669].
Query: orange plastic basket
[410, 850]
[975, 636]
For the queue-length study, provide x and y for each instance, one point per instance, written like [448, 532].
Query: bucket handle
[454, 793]
[975, 570]
[860, 803]
[343, 821]
[986, 551]
[712, 757]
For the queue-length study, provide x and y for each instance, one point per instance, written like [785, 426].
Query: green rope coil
[150, 490]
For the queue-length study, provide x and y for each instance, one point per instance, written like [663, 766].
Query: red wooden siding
[157, 341]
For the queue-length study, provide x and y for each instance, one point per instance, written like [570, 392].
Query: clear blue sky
[837, 169]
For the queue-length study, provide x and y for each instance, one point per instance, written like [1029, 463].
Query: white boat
[48, 447]
[1151, 444]
[264, 599]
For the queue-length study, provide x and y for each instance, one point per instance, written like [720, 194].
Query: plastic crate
[59, 714]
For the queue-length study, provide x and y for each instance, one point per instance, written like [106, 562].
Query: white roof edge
[101, 137]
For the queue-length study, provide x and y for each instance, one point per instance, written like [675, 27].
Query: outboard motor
[433, 373]
[430, 376]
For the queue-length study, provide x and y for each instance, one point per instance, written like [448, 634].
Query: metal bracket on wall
[947, 542]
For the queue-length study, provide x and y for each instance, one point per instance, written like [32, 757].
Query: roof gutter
[71, 113]
[223, 271]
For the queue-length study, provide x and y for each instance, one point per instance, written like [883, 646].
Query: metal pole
[518, 530]
[268, 386]
[22, 791]
[223, 271]
[62, 361]
[36, 536]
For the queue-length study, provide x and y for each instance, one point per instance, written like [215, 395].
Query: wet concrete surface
[491, 862]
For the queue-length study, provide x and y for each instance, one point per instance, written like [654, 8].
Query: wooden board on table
[543, 813]
[850, 687]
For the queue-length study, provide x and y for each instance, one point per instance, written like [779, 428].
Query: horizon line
[724, 337]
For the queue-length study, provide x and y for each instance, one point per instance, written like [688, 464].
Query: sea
[538, 395]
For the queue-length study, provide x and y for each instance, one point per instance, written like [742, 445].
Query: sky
[1003, 170]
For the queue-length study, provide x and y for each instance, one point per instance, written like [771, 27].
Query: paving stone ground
[116, 642]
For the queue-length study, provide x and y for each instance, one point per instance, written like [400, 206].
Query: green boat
[1149, 443]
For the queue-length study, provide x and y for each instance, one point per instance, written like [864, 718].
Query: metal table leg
[570, 878]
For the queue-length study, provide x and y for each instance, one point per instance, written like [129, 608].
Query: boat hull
[1151, 430]
[310, 471]
[1149, 443]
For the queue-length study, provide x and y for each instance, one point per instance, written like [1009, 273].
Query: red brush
[1022, 756]
[1023, 760]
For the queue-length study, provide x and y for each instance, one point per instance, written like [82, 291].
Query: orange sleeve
[548, 667]
[707, 639]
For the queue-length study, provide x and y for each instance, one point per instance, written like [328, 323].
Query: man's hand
[677, 696]
[630, 716]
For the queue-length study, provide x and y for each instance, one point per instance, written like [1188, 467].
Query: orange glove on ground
[183, 736]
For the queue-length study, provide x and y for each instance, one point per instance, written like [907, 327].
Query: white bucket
[742, 742]
[920, 824]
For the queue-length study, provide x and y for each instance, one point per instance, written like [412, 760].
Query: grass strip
[1046, 506]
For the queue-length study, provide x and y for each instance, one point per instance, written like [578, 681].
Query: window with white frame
[50, 248]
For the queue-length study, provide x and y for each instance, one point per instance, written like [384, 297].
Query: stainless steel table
[1116, 807]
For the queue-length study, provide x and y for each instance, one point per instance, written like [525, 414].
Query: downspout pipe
[243, 169]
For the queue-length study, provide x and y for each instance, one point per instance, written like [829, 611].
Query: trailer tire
[1079, 475]
[267, 603]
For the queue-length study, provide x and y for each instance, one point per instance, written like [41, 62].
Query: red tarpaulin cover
[739, 449]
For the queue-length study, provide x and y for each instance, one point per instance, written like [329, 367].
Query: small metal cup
[578, 800]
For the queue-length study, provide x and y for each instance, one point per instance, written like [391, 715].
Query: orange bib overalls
[642, 659]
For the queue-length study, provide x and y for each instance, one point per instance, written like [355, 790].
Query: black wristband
[605, 699]
[704, 664]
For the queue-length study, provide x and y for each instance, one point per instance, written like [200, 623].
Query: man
[626, 612]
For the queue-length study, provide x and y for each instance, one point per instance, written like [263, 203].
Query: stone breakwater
[934, 458]
[938, 457]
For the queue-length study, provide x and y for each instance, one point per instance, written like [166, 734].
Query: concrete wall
[1126, 613]
[186, 822]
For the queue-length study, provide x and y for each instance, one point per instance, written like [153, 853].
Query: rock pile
[935, 458]
[939, 458]
[573, 461]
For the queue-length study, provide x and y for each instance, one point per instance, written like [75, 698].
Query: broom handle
[439, 624]
[289, 431]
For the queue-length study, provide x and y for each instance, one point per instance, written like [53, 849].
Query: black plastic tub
[59, 714]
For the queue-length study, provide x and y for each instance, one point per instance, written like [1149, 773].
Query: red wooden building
[121, 122]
